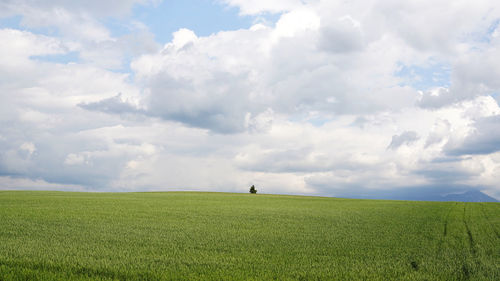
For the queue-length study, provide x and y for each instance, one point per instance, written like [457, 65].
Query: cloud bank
[344, 98]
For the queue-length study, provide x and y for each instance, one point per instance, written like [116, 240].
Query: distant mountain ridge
[425, 194]
[469, 196]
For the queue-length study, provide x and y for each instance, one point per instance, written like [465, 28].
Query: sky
[312, 97]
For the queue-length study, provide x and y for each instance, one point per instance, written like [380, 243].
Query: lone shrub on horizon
[253, 190]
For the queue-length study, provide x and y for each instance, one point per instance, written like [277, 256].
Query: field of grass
[222, 236]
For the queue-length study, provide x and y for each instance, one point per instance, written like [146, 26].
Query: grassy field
[222, 236]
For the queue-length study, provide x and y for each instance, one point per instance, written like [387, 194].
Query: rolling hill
[225, 236]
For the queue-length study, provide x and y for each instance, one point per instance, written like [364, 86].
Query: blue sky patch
[493, 26]
[59, 58]
[424, 77]
[203, 17]
[11, 22]
[16, 22]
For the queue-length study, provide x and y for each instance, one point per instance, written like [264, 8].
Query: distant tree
[253, 190]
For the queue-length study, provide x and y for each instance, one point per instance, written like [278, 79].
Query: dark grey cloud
[436, 98]
[449, 159]
[341, 36]
[484, 140]
[407, 138]
[444, 174]
[113, 105]
[219, 109]
[222, 110]
[219, 103]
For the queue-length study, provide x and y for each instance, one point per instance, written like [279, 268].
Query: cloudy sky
[335, 98]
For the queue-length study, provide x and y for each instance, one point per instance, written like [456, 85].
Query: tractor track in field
[466, 270]
[489, 221]
[472, 243]
[445, 229]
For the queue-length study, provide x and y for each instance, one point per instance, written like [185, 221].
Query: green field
[223, 236]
